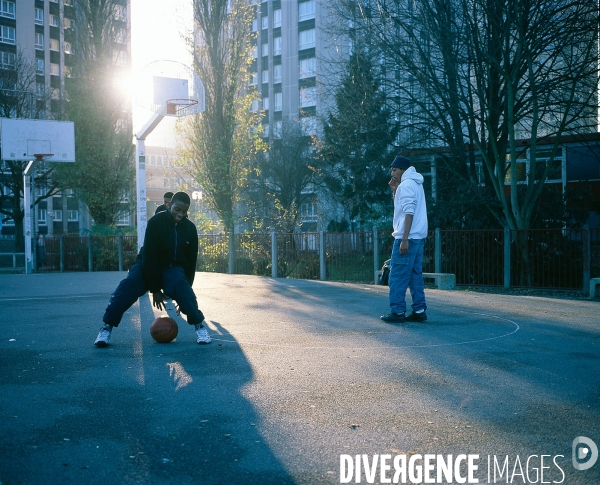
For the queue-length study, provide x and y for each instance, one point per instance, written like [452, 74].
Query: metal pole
[90, 253]
[376, 267]
[140, 185]
[438, 250]
[27, 224]
[322, 266]
[506, 257]
[120, 252]
[585, 236]
[274, 254]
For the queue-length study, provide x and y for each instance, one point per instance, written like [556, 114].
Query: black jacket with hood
[167, 243]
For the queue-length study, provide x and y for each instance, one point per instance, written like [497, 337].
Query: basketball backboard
[169, 88]
[23, 139]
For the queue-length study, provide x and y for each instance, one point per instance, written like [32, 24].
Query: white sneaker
[103, 338]
[203, 337]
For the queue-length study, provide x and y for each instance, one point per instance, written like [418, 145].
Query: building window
[255, 52]
[7, 9]
[42, 217]
[277, 129]
[308, 68]
[277, 73]
[54, 44]
[254, 106]
[265, 131]
[55, 93]
[54, 21]
[54, 69]
[72, 216]
[123, 220]
[39, 41]
[309, 125]
[306, 10]
[277, 46]
[121, 12]
[7, 35]
[58, 216]
[277, 18]
[253, 81]
[308, 97]
[40, 90]
[265, 76]
[67, 47]
[278, 101]
[306, 39]
[265, 103]
[8, 60]
[265, 50]
[254, 25]
[265, 22]
[39, 16]
[40, 67]
[67, 23]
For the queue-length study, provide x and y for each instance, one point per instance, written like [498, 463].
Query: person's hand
[403, 247]
[393, 183]
[159, 299]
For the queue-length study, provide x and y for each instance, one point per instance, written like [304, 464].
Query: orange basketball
[164, 329]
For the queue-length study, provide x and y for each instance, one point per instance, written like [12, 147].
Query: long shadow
[134, 412]
[499, 375]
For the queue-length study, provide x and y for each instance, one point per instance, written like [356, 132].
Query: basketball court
[297, 374]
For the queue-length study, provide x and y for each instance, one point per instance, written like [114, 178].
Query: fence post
[274, 254]
[376, 267]
[322, 267]
[90, 249]
[506, 257]
[231, 253]
[585, 236]
[438, 250]
[120, 246]
[61, 253]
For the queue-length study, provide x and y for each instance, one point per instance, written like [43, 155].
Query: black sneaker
[417, 317]
[394, 317]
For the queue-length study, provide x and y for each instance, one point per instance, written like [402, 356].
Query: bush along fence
[536, 258]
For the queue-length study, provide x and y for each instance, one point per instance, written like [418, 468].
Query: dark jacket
[160, 208]
[168, 244]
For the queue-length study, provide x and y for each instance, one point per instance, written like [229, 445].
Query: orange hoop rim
[42, 156]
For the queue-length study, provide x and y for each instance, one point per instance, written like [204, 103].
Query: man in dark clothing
[166, 203]
[167, 261]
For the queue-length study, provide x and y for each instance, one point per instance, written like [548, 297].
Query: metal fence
[537, 258]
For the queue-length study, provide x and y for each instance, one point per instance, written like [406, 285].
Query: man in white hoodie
[410, 231]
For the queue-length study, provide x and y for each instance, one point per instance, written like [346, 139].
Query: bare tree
[478, 75]
[18, 99]
[222, 141]
[286, 173]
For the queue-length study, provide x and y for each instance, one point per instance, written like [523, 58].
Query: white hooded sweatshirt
[410, 199]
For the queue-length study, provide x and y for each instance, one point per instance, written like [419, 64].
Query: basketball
[164, 329]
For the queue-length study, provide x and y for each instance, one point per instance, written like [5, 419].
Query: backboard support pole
[140, 175]
[27, 221]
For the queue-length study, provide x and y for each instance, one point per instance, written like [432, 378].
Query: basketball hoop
[176, 105]
[39, 157]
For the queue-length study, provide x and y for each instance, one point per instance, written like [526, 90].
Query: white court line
[516, 329]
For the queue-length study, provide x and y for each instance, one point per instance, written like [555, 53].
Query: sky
[158, 29]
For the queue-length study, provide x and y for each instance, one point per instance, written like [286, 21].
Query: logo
[585, 453]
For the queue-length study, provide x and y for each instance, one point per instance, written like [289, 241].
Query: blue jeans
[175, 285]
[407, 272]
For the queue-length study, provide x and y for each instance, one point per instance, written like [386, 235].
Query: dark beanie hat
[401, 162]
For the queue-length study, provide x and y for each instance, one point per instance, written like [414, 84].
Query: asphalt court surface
[298, 373]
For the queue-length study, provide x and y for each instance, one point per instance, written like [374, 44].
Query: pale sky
[158, 29]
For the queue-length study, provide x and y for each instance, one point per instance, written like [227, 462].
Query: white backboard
[22, 139]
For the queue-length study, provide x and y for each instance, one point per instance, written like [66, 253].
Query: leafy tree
[356, 143]
[18, 99]
[286, 171]
[221, 142]
[103, 174]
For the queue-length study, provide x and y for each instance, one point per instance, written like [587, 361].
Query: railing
[537, 258]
